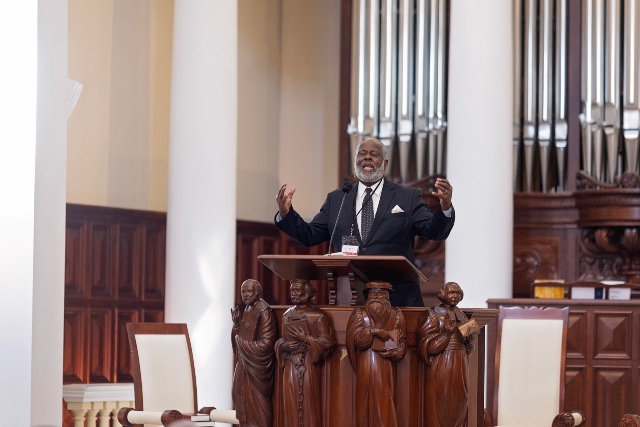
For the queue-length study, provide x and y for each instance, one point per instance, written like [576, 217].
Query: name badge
[350, 245]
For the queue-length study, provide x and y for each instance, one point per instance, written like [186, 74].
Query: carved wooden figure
[307, 339]
[375, 341]
[445, 339]
[253, 336]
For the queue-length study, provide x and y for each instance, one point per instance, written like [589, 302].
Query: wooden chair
[529, 369]
[164, 378]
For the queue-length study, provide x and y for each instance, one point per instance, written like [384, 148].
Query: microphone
[346, 187]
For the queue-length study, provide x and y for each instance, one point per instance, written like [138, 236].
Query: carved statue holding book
[375, 342]
[253, 337]
[445, 340]
[307, 339]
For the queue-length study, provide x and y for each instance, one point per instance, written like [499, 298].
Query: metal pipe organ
[540, 122]
[398, 83]
[610, 116]
[609, 92]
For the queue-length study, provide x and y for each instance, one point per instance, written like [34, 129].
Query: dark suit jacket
[391, 233]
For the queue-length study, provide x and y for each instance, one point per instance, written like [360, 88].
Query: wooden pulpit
[347, 274]
[338, 377]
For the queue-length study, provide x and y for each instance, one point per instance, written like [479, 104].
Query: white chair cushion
[165, 370]
[530, 362]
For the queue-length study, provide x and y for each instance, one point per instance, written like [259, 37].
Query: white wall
[288, 79]
[309, 102]
[288, 84]
[119, 133]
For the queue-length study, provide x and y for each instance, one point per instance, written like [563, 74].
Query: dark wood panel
[100, 346]
[613, 395]
[75, 258]
[613, 335]
[577, 335]
[124, 371]
[102, 260]
[130, 261]
[575, 390]
[111, 254]
[155, 249]
[75, 326]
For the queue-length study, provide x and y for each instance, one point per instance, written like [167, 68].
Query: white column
[32, 190]
[479, 251]
[50, 214]
[201, 211]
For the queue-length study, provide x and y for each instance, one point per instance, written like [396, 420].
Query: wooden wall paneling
[115, 273]
[153, 316]
[155, 249]
[75, 327]
[100, 339]
[122, 352]
[102, 260]
[613, 335]
[603, 356]
[612, 395]
[75, 274]
[576, 389]
[254, 239]
[577, 334]
[429, 259]
[274, 288]
[130, 258]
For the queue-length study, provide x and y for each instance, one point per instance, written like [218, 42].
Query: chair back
[162, 363]
[529, 365]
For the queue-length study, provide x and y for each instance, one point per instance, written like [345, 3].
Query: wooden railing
[96, 405]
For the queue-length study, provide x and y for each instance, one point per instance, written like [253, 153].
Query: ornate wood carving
[545, 239]
[338, 378]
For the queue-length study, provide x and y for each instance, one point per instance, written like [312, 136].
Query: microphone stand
[346, 187]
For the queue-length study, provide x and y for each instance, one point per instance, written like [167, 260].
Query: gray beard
[369, 177]
[378, 312]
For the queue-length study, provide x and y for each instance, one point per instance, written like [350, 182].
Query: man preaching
[383, 217]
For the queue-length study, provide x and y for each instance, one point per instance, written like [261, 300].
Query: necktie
[367, 215]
